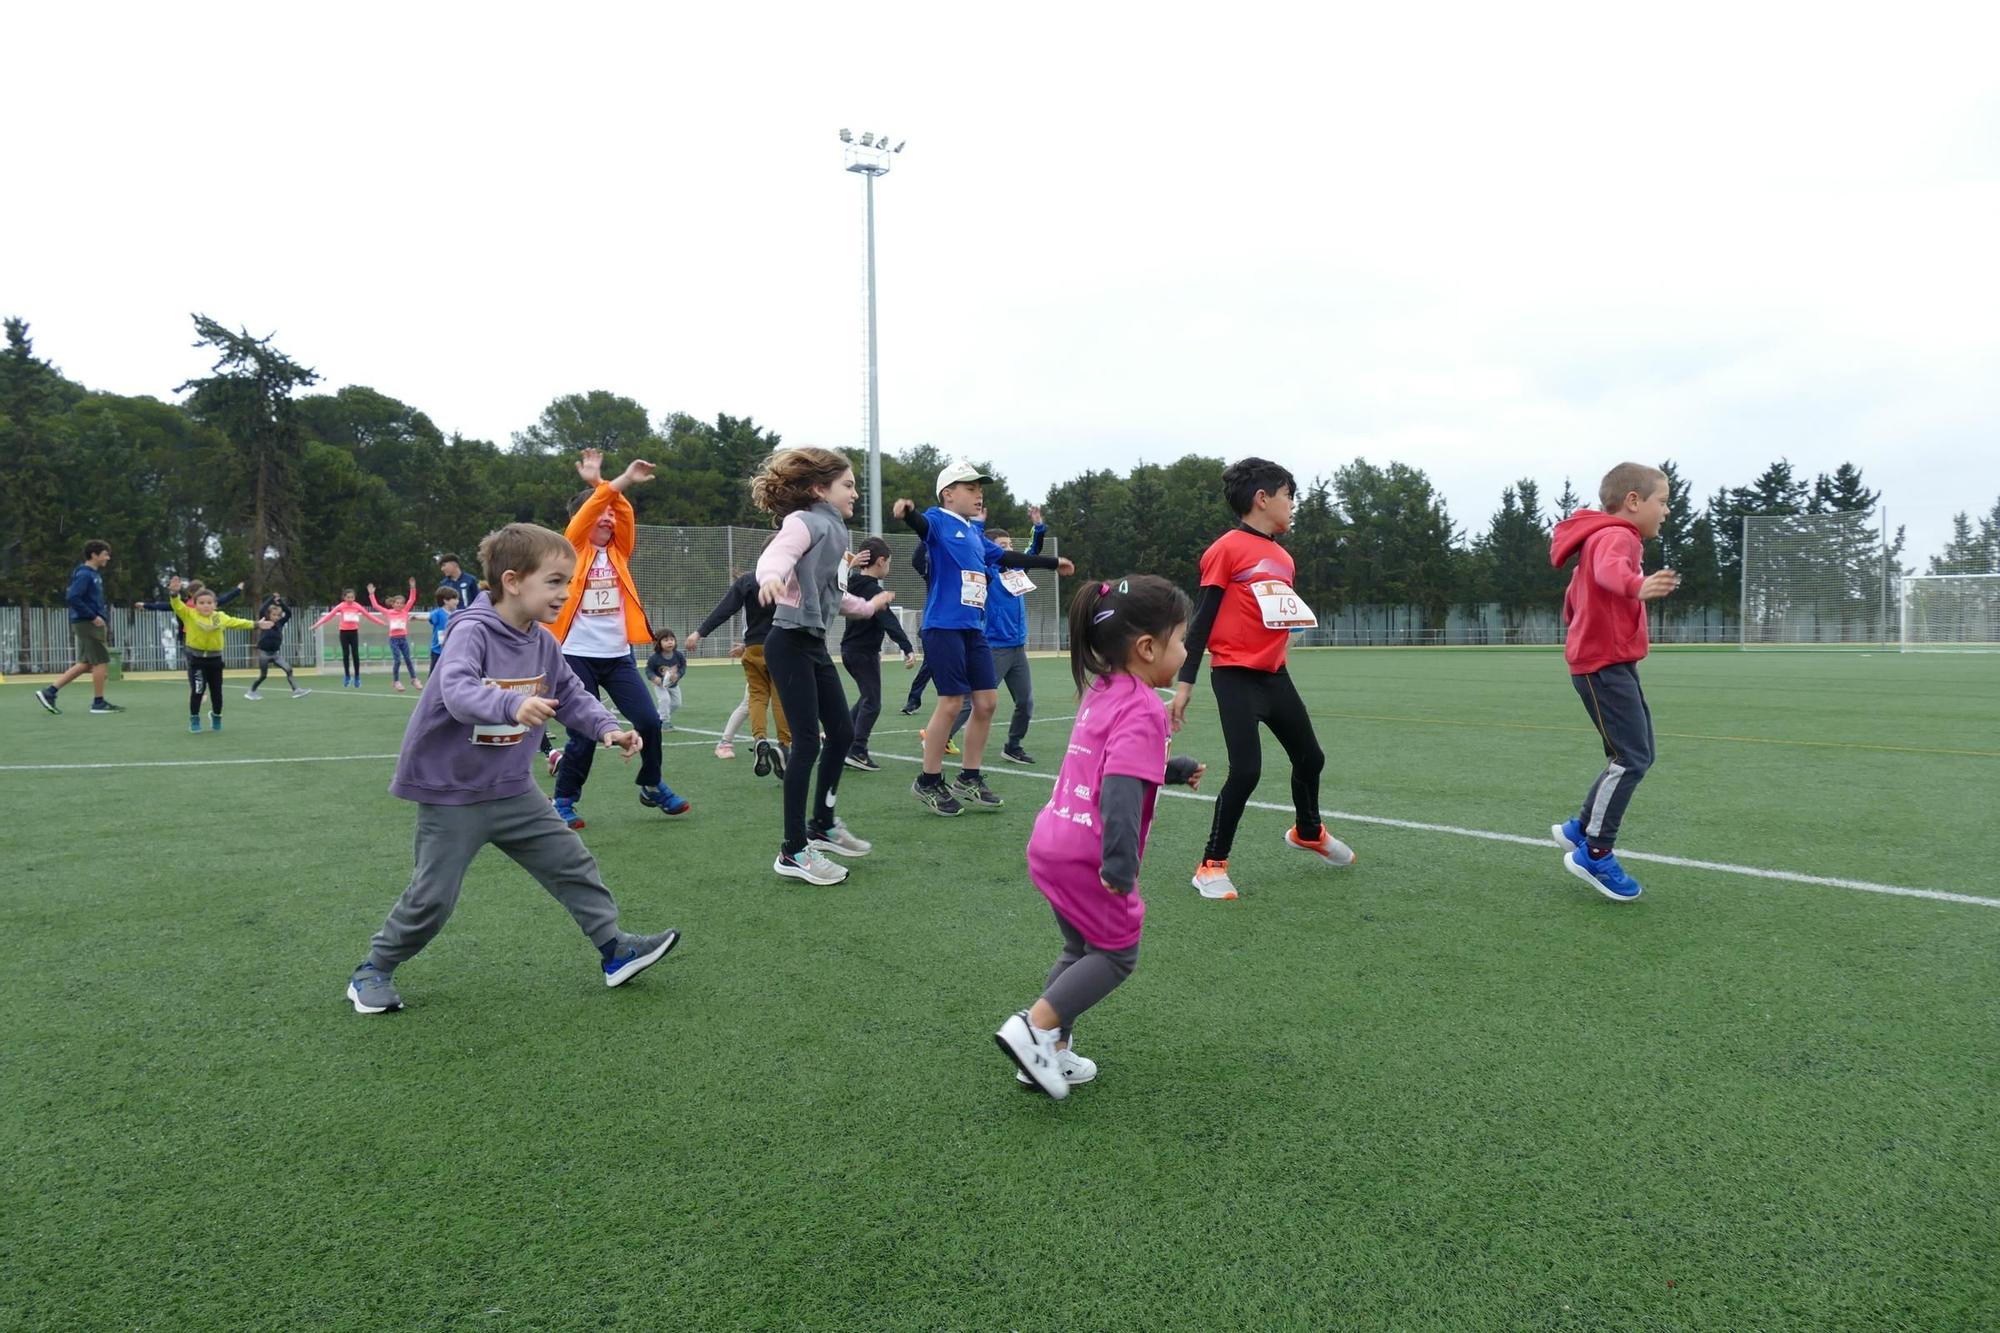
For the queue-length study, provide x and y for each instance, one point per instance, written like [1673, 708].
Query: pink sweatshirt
[398, 620]
[350, 613]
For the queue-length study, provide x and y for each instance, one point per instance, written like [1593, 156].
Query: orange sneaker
[1211, 880]
[1326, 847]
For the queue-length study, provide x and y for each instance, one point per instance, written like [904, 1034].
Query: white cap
[959, 470]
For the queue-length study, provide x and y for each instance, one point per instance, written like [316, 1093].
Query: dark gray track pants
[527, 829]
[1618, 710]
[1084, 974]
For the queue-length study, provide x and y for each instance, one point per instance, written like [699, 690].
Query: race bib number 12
[1281, 607]
[600, 597]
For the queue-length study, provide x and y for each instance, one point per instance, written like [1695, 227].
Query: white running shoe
[1211, 880]
[1327, 848]
[811, 866]
[1075, 1069]
[838, 841]
[252, 695]
[1033, 1053]
[300, 694]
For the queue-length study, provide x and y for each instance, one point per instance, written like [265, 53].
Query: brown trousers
[761, 693]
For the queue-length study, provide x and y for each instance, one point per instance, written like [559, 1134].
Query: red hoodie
[1607, 621]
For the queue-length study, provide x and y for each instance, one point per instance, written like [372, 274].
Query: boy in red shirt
[1606, 610]
[1244, 620]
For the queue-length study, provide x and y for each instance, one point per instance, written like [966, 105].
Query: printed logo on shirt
[511, 733]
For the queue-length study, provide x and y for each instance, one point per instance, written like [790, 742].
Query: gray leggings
[527, 828]
[1084, 974]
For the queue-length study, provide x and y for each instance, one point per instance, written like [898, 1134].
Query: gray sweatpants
[1010, 667]
[1084, 974]
[527, 828]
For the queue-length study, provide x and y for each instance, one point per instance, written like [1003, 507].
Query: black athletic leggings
[350, 652]
[809, 688]
[1243, 698]
[265, 661]
[205, 674]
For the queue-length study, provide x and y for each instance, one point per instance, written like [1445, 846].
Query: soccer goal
[1815, 579]
[1951, 613]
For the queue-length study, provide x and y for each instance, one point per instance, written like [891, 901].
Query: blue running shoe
[1605, 875]
[215, 722]
[662, 797]
[566, 811]
[633, 954]
[194, 724]
[1568, 834]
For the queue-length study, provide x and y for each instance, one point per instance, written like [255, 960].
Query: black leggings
[1243, 698]
[809, 688]
[350, 652]
[205, 676]
[265, 661]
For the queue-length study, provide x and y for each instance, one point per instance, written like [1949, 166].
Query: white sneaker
[1211, 880]
[1075, 1069]
[811, 866]
[1328, 848]
[839, 841]
[300, 694]
[252, 695]
[1034, 1053]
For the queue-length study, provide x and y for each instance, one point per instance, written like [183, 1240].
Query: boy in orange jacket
[598, 625]
[1606, 610]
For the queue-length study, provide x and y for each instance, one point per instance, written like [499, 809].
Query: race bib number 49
[1016, 581]
[512, 733]
[1281, 607]
[972, 588]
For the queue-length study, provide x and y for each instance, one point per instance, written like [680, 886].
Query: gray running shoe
[838, 841]
[811, 866]
[938, 798]
[372, 991]
[636, 953]
[975, 794]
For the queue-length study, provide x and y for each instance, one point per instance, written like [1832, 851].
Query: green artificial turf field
[1448, 1089]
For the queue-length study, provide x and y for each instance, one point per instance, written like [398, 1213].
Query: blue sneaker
[1606, 875]
[662, 797]
[636, 953]
[566, 811]
[194, 724]
[1568, 834]
[215, 722]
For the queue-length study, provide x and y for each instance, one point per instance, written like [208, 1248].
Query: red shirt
[1239, 638]
[1607, 621]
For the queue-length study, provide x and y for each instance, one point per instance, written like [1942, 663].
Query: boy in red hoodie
[1606, 610]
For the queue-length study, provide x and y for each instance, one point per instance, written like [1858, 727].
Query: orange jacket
[624, 530]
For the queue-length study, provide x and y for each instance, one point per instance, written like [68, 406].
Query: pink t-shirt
[1121, 729]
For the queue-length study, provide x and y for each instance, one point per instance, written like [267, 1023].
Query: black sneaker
[938, 798]
[764, 752]
[46, 697]
[864, 761]
[1014, 754]
[975, 793]
[105, 706]
[909, 709]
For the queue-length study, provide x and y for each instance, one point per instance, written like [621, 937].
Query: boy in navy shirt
[87, 609]
[954, 644]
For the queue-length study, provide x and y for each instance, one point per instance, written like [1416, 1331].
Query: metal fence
[36, 640]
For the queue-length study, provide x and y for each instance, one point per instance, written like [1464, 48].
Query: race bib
[1016, 581]
[972, 588]
[511, 733]
[1281, 607]
[600, 596]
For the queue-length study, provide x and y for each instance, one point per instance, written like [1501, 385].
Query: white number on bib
[971, 588]
[1016, 581]
[511, 733]
[600, 597]
[1282, 608]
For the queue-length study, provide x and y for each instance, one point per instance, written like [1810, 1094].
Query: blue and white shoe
[662, 797]
[372, 992]
[1568, 834]
[636, 953]
[1605, 874]
[566, 811]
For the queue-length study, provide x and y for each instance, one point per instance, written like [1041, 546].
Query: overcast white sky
[1488, 241]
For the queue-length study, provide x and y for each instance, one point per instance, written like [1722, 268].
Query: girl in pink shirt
[1127, 640]
[397, 615]
[350, 613]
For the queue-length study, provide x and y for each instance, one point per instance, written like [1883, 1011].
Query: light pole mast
[869, 158]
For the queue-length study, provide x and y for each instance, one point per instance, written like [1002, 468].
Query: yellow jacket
[204, 633]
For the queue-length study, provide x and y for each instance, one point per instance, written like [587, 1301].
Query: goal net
[1951, 613]
[1815, 579]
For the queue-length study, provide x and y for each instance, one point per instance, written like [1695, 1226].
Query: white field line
[275, 759]
[1545, 844]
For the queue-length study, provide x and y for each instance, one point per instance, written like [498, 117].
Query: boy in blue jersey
[954, 609]
[440, 618]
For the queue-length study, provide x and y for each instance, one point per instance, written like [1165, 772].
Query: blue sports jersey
[1006, 620]
[439, 618]
[960, 557]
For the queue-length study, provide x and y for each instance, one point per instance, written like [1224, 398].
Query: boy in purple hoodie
[465, 762]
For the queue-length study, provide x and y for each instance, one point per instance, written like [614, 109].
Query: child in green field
[205, 628]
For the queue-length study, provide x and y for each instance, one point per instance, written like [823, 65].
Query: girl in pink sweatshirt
[350, 613]
[397, 614]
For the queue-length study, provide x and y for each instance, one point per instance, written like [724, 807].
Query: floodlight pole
[869, 160]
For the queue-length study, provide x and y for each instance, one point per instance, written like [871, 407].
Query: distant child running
[351, 614]
[397, 615]
[861, 647]
[664, 670]
[1127, 638]
[799, 574]
[1606, 611]
[954, 606]
[205, 626]
[742, 596]
[273, 616]
[465, 762]
[1244, 619]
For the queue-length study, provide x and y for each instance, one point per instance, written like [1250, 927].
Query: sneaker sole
[764, 765]
[1594, 883]
[1332, 864]
[354, 998]
[800, 872]
[1020, 759]
[931, 806]
[643, 961]
[835, 849]
[686, 805]
[104, 712]
[47, 704]
[856, 764]
[1562, 839]
[1021, 1068]
[1228, 895]
[1021, 1077]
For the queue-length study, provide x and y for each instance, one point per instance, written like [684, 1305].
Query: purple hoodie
[462, 744]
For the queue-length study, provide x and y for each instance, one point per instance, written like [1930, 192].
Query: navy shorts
[959, 660]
